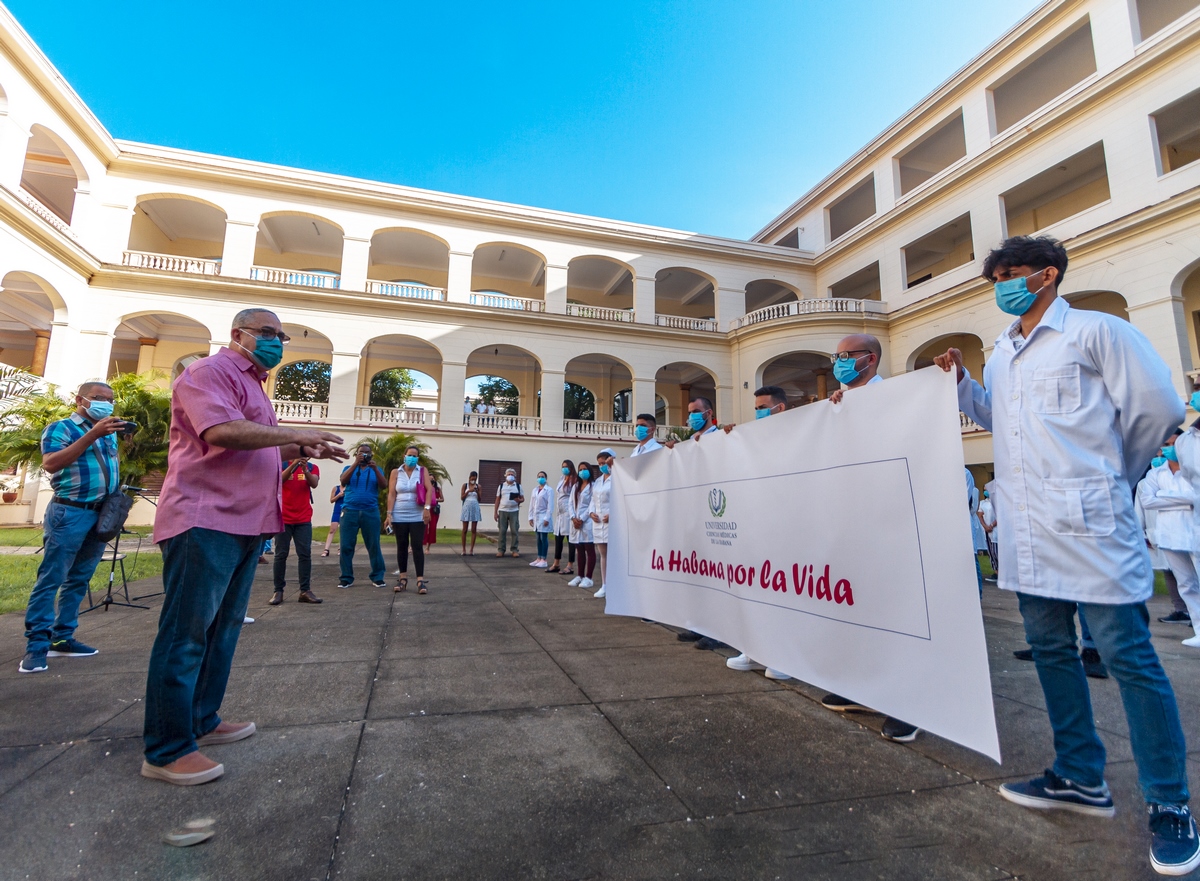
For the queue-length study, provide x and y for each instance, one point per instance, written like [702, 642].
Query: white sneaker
[600, 593]
[247, 620]
[536, 563]
[1194, 642]
[587, 582]
[542, 564]
[574, 582]
[743, 662]
[776, 674]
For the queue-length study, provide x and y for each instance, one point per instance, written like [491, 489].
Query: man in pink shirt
[221, 496]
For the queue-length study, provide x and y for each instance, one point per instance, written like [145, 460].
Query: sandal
[568, 572]
[421, 586]
[277, 599]
[553, 568]
[401, 586]
[325, 553]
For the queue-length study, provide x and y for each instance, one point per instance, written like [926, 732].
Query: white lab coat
[601, 492]
[580, 509]
[562, 509]
[541, 509]
[648, 447]
[1076, 412]
[1168, 496]
[978, 536]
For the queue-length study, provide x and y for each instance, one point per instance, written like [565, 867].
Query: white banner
[832, 542]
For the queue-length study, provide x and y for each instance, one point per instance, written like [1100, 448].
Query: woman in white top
[541, 516]
[1167, 492]
[410, 498]
[601, 492]
[562, 517]
[470, 511]
[581, 525]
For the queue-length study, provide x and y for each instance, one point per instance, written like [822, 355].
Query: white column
[643, 300]
[14, 141]
[987, 227]
[885, 186]
[977, 123]
[731, 305]
[146, 351]
[356, 257]
[451, 391]
[556, 289]
[343, 386]
[237, 255]
[552, 401]
[603, 393]
[103, 226]
[1112, 35]
[643, 397]
[458, 282]
[724, 403]
[1164, 323]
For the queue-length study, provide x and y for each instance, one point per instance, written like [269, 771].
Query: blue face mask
[541, 481]
[1157, 462]
[696, 421]
[267, 353]
[566, 471]
[410, 461]
[762, 414]
[1194, 401]
[845, 372]
[100, 409]
[1014, 297]
[1169, 454]
[604, 469]
[641, 432]
[585, 474]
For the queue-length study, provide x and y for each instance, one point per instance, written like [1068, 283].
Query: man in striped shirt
[80, 454]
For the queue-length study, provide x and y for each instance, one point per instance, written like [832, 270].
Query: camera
[127, 428]
[367, 457]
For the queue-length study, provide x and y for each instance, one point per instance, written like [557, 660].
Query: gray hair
[245, 315]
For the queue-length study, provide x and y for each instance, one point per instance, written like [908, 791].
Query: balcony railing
[46, 214]
[395, 416]
[300, 411]
[504, 301]
[589, 428]
[680, 323]
[599, 313]
[405, 291]
[969, 426]
[497, 422]
[811, 307]
[271, 275]
[170, 263]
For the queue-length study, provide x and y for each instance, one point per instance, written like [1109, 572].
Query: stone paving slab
[504, 727]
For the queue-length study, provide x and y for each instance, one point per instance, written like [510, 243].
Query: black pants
[302, 533]
[558, 546]
[406, 533]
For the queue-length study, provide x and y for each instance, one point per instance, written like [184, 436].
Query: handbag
[421, 486]
[114, 509]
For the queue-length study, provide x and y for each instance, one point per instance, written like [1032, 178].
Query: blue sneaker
[70, 648]
[1053, 793]
[1174, 844]
[33, 662]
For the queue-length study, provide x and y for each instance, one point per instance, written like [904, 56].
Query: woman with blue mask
[580, 503]
[541, 518]
[411, 496]
[601, 494]
[471, 512]
[562, 518]
[1168, 495]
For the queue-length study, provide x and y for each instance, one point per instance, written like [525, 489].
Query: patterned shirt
[94, 474]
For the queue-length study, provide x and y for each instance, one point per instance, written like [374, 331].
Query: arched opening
[515, 366]
[399, 381]
[807, 377]
[154, 343]
[602, 377]
[579, 404]
[767, 292]
[28, 308]
[685, 299]
[408, 263]
[176, 234]
[600, 282]
[970, 345]
[508, 276]
[677, 383]
[1100, 301]
[306, 381]
[299, 249]
[1187, 285]
[51, 173]
[183, 363]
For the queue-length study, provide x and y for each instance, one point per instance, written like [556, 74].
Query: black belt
[91, 506]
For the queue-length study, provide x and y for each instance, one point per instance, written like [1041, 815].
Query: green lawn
[31, 536]
[17, 574]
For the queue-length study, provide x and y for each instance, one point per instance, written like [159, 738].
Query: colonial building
[1082, 122]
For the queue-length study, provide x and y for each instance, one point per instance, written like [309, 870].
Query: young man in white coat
[1078, 403]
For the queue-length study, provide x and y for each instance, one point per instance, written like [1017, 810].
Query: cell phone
[128, 428]
[388, 530]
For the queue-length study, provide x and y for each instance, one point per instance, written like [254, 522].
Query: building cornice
[19, 218]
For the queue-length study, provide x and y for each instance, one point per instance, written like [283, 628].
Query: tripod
[118, 557]
[141, 494]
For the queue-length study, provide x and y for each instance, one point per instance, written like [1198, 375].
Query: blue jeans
[70, 558]
[369, 523]
[206, 582]
[1122, 637]
[543, 544]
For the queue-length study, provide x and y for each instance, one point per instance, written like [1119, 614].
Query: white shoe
[1194, 642]
[600, 593]
[776, 674]
[587, 582]
[575, 582]
[743, 662]
[247, 620]
[536, 563]
[542, 564]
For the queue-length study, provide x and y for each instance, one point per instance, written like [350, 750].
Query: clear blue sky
[705, 116]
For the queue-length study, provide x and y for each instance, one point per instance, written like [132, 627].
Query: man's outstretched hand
[952, 358]
[322, 445]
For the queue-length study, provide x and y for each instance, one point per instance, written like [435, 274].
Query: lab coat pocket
[1056, 389]
[1079, 506]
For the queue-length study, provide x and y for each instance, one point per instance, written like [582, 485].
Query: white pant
[1183, 565]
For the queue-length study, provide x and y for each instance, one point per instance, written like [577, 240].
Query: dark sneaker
[1174, 844]
[1023, 654]
[707, 642]
[33, 662]
[689, 636]
[1092, 665]
[899, 732]
[840, 704]
[70, 648]
[1176, 618]
[1053, 793]
[378, 584]
[344, 584]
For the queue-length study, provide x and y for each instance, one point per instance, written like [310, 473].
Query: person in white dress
[986, 515]
[541, 517]
[580, 506]
[562, 518]
[1167, 492]
[601, 493]
[1148, 518]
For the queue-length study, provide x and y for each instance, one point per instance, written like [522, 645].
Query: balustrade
[606, 430]
[170, 263]
[500, 422]
[300, 411]
[46, 214]
[969, 426]
[272, 275]
[395, 416]
[599, 313]
[405, 291]
[680, 323]
[810, 307]
[504, 301]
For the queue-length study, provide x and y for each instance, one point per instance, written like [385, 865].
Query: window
[491, 475]
[940, 251]
[1177, 131]
[861, 285]
[1057, 67]
[791, 240]
[1154, 15]
[1073, 185]
[937, 150]
[852, 209]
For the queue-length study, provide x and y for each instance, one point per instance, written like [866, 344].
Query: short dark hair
[86, 387]
[649, 417]
[778, 395]
[700, 399]
[1034, 252]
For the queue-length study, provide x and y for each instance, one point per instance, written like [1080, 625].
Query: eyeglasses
[268, 333]
[851, 355]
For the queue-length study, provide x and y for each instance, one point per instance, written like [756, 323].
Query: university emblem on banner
[716, 502]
